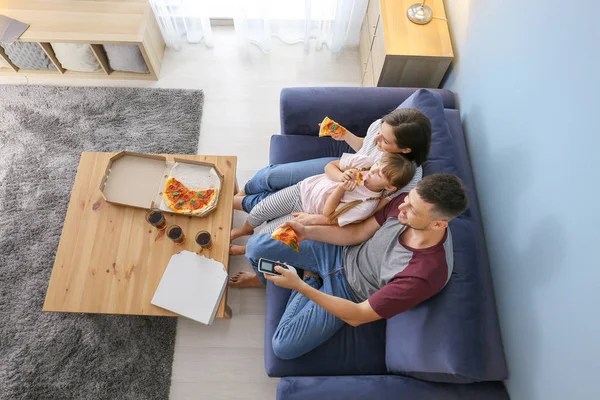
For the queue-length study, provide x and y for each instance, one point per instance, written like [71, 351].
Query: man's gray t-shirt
[392, 276]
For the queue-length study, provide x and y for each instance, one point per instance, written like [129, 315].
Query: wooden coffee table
[110, 260]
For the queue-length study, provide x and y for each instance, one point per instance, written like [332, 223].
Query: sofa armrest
[291, 148]
[301, 109]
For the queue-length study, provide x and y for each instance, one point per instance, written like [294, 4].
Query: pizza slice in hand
[359, 177]
[288, 236]
[329, 126]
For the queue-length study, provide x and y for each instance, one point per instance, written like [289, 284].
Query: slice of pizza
[202, 199]
[176, 195]
[359, 177]
[288, 236]
[329, 126]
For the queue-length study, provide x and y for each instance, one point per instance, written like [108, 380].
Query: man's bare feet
[237, 202]
[237, 250]
[245, 279]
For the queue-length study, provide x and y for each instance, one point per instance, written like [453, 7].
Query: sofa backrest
[454, 336]
[302, 109]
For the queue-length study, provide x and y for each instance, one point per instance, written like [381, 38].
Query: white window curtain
[183, 20]
[316, 23]
[332, 23]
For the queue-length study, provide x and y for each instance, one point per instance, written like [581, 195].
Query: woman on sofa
[406, 131]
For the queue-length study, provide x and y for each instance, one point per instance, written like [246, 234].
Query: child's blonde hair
[397, 169]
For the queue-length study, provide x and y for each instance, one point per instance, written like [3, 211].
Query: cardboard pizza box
[137, 180]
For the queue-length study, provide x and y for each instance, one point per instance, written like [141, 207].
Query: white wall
[527, 80]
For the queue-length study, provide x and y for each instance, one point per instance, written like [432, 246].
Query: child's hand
[348, 186]
[349, 175]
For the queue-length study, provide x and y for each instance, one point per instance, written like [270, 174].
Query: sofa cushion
[351, 351]
[441, 152]
[301, 109]
[291, 148]
[455, 336]
[384, 387]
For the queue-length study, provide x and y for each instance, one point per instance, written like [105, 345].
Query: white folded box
[192, 286]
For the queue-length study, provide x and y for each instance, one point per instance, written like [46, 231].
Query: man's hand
[310, 219]
[297, 227]
[288, 279]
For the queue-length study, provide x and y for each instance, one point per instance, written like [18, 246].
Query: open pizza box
[137, 180]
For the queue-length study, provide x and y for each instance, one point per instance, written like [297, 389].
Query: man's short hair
[446, 193]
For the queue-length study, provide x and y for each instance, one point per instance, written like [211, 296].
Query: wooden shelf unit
[95, 23]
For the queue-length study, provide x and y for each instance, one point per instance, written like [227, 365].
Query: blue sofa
[448, 347]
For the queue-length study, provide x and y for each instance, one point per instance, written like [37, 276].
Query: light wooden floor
[241, 112]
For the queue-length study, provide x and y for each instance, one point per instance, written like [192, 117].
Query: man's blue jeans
[276, 177]
[304, 324]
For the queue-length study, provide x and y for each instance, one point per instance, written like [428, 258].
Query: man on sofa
[393, 261]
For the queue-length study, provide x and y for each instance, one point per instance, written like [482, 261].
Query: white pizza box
[191, 286]
[137, 180]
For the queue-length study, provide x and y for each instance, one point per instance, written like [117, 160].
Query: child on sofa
[341, 202]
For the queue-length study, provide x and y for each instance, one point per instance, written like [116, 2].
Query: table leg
[227, 312]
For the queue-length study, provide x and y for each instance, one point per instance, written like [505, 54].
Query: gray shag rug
[43, 131]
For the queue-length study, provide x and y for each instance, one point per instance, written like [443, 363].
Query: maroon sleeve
[399, 295]
[390, 210]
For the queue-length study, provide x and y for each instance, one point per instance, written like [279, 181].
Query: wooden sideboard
[393, 51]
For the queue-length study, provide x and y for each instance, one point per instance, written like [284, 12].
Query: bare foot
[236, 250]
[237, 202]
[239, 232]
[245, 279]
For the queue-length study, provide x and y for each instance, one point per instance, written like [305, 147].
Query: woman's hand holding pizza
[339, 136]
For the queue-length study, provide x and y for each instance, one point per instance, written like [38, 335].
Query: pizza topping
[175, 194]
[333, 127]
[200, 195]
[180, 203]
